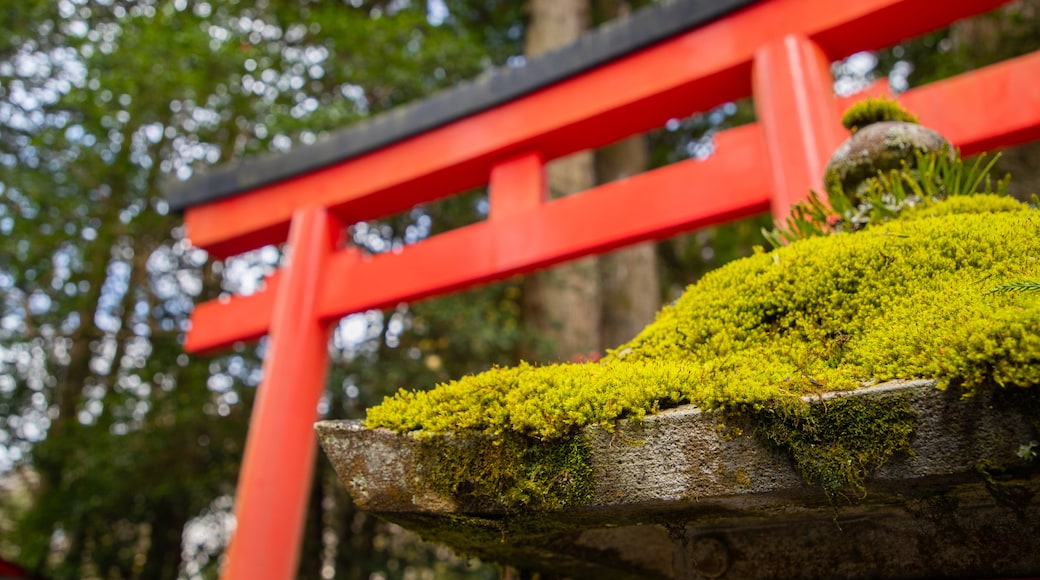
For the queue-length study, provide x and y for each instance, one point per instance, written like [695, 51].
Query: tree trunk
[311, 550]
[629, 284]
[629, 281]
[591, 304]
[163, 557]
[562, 305]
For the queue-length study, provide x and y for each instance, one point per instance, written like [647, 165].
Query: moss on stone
[908, 298]
[875, 110]
[510, 472]
[963, 204]
[836, 443]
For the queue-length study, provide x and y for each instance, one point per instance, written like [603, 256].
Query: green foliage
[932, 177]
[875, 110]
[900, 299]
[808, 219]
[1027, 451]
[127, 438]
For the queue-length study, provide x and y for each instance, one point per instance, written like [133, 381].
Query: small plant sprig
[1028, 450]
[935, 176]
[941, 175]
[808, 219]
[1020, 286]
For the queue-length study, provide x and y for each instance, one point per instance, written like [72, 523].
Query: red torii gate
[779, 51]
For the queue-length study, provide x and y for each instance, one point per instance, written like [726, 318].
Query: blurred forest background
[118, 452]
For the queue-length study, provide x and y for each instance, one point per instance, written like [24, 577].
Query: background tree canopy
[118, 452]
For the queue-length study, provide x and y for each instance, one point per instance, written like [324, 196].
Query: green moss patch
[904, 299]
[875, 110]
[509, 472]
[836, 443]
[908, 298]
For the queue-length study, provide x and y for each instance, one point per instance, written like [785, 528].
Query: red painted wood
[221, 323]
[517, 186]
[651, 205]
[997, 106]
[647, 206]
[975, 125]
[689, 73]
[794, 100]
[961, 108]
[273, 486]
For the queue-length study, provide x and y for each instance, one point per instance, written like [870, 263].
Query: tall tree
[583, 307]
[630, 289]
[562, 305]
[129, 446]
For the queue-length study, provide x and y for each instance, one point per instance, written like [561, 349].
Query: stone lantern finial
[885, 136]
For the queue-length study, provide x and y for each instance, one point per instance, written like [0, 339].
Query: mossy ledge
[909, 298]
[685, 483]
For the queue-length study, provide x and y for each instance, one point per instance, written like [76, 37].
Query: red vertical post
[517, 186]
[274, 484]
[794, 100]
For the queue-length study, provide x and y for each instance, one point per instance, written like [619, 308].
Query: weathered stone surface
[682, 495]
[882, 146]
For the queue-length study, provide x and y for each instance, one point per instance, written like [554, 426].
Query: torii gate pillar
[274, 484]
[794, 101]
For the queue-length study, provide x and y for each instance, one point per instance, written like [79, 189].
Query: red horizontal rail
[647, 206]
[680, 76]
[998, 106]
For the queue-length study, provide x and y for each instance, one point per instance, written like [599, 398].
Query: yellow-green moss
[875, 110]
[837, 442]
[963, 204]
[904, 299]
[509, 472]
